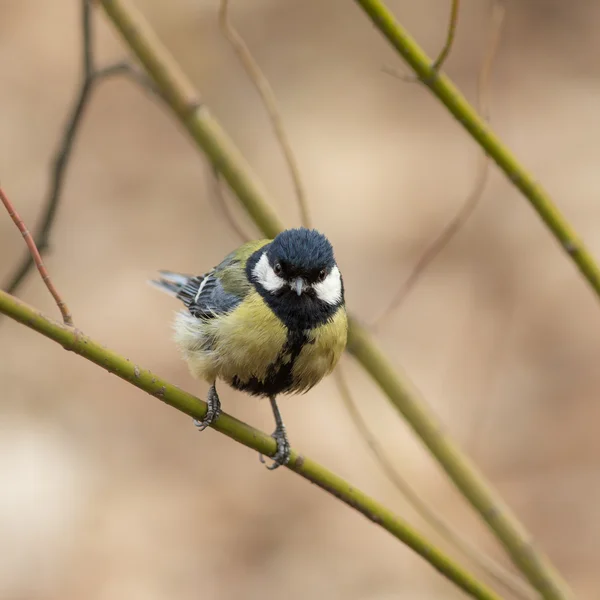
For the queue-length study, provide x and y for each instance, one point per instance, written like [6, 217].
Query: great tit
[270, 319]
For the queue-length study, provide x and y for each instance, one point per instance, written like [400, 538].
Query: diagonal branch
[37, 259]
[480, 131]
[209, 136]
[76, 341]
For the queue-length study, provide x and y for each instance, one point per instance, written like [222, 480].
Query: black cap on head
[302, 250]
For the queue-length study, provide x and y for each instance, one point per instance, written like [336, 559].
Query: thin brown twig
[443, 55]
[437, 64]
[37, 259]
[486, 563]
[126, 68]
[472, 200]
[60, 162]
[262, 85]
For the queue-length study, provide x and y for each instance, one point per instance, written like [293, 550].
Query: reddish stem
[37, 259]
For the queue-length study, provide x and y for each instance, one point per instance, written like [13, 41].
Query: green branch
[75, 341]
[467, 116]
[195, 116]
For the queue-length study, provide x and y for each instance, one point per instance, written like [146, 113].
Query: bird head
[300, 263]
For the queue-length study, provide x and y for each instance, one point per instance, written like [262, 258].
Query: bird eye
[322, 275]
[277, 268]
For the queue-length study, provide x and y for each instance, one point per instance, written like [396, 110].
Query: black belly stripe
[299, 315]
[279, 379]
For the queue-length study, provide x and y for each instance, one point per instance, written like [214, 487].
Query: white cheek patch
[330, 289]
[266, 277]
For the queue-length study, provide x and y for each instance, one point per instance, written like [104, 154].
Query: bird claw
[210, 416]
[213, 411]
[282, 455]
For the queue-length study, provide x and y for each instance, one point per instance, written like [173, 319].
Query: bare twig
[37, 259]
[61, 159]
[126, 68]
[488, 565]
[261, 83]
[437, 64]
[474, 197]
[443, 55]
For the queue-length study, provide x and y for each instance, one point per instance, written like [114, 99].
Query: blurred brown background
[105, 493]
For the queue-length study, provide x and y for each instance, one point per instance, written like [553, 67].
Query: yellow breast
[321, 352]
[248, 343]
[242, 344]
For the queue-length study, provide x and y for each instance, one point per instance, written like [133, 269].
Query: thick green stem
[74, 340]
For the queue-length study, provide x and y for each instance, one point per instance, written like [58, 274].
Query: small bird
[270, 319]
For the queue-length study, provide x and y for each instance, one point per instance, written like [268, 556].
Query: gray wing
[203, 295]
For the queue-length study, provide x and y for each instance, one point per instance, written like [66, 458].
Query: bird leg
[214, 409]
[282, 455]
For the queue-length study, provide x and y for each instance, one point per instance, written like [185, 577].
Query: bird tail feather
[171, 283]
